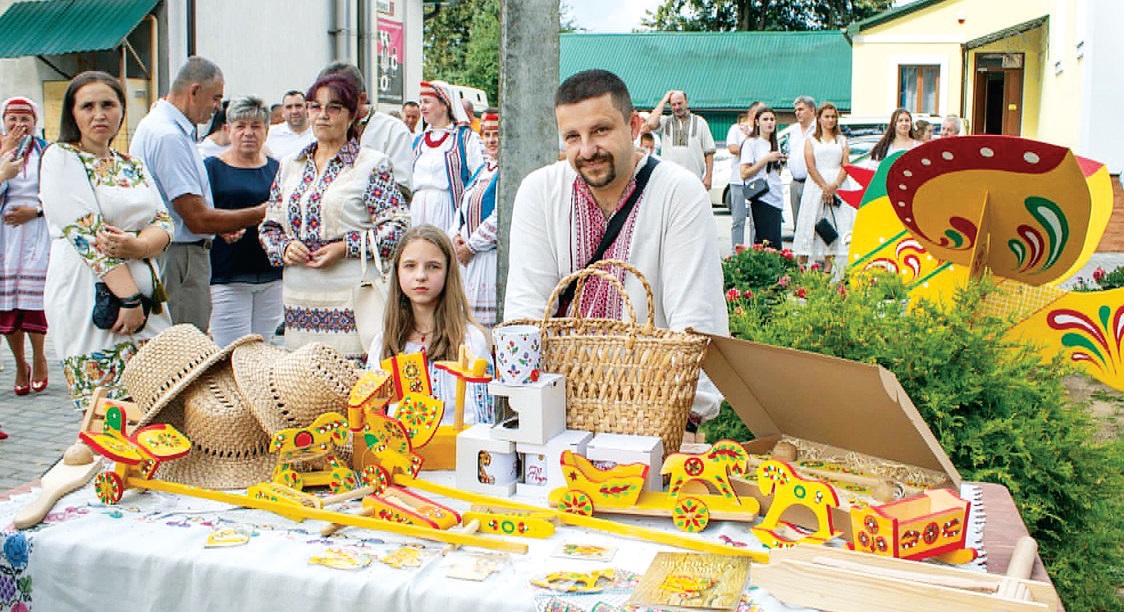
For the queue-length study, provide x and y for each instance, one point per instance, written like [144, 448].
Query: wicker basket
[621, 377]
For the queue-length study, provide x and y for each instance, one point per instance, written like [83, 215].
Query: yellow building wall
[934, 33]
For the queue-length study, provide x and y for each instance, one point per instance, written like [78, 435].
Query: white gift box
[469, 474]
[542, 470]
[540, 409]
[607, 448]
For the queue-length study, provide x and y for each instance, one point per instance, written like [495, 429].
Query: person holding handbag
[761, 162]
[824, 153]
[107, 225]
[332, 207]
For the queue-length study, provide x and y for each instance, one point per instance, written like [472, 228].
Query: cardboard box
[846, 404]
[621, 448]
[540, 409]
[547, 458]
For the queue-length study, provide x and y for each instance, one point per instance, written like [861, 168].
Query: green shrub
[1001, 413]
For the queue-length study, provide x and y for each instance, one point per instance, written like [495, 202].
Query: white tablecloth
[147, 553]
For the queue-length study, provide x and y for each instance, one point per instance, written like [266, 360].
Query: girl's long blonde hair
[452, 315]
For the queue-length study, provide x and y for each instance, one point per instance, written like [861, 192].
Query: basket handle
[580, 276]
[609, 263]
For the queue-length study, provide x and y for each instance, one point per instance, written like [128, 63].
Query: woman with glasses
[445, 156]
[328, 203]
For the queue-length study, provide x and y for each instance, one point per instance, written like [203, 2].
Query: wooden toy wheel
[576, 502]
[343, 479]
[375, 476]
[691, 515]
[109, 487]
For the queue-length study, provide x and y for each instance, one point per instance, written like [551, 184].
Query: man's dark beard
[609, 178]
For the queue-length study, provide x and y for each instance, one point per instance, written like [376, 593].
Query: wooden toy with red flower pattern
[508, 521]
[714, 467]
[410, 374]
[932, 524]
[139, 454]
[619, 490]
[313, 444]
[788, 489]
[441, 452]
[399, 505]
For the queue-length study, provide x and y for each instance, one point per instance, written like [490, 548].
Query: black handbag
[755, 188]
[826, 229]
[107, 307]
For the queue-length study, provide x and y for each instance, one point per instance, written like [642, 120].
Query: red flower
[815, 267]
[1099, 274]
[784, 280]
[842, 290]
[738, 249]
[747, 294]
[788, 254]
[732, 295]
[801, 293]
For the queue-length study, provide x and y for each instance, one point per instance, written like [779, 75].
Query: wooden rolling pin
[1019, 569]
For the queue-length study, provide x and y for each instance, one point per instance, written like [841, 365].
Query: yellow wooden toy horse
[316, 442]
[780, 480]
[714, 467]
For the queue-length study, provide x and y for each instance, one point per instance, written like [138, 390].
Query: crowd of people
[269, 220]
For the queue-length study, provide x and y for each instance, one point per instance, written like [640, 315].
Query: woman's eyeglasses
[332, 108]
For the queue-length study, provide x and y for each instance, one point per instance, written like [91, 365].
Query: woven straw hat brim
[171, 386]
[229, 450]
[291, 389]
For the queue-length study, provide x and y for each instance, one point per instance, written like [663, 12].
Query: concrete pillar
[529, 135]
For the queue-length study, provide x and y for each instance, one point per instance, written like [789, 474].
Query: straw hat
[168, 363]
[292, 389]
[229, 449]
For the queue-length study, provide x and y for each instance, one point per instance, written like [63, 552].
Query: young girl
[899, 136]
[761, 159]
[427, 310]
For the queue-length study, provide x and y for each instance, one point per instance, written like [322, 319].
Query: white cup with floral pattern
[518, 354]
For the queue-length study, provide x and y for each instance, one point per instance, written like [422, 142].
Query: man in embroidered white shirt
[562, 211]
[686, 137]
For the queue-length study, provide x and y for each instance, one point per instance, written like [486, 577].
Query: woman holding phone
[24, 244]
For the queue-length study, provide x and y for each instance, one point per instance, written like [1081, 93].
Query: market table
[147, 553]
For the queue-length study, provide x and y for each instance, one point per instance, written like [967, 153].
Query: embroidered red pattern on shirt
[599, 298]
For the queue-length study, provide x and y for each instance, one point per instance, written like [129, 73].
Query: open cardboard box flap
[841, 403]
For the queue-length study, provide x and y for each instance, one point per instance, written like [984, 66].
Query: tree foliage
[462, 43]
[760, 15]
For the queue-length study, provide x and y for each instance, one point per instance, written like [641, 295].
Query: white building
[264, 47]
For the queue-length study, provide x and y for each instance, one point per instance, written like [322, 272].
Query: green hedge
[1001, 413]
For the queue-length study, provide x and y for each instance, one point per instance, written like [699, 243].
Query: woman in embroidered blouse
[107, 223]
[475, 240]
[24, 244]
[445, 156]
[323, 202]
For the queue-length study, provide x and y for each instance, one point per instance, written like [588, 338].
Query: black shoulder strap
[616, 222]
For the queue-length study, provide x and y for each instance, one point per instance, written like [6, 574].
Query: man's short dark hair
[409, 103]
[292, 92]
[590, 84]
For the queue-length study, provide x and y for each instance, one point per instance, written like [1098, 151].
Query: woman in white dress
[24, 244]
[445, 155]
[107, 224]
[329, 201]
[824, 155]
[475, 240]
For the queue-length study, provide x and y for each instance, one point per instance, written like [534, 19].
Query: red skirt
[34, 321]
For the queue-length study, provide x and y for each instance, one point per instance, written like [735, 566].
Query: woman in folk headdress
[475, 238]
[24, 243]
[445, 156]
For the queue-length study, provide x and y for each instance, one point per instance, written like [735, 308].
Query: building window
[917, 88]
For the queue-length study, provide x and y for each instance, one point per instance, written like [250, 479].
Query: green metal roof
[54, 27]
[891, 14]
[718, 70]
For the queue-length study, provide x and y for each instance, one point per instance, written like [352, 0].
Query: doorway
[998, 104]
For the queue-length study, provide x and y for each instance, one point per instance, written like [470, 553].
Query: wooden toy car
[139, 454]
